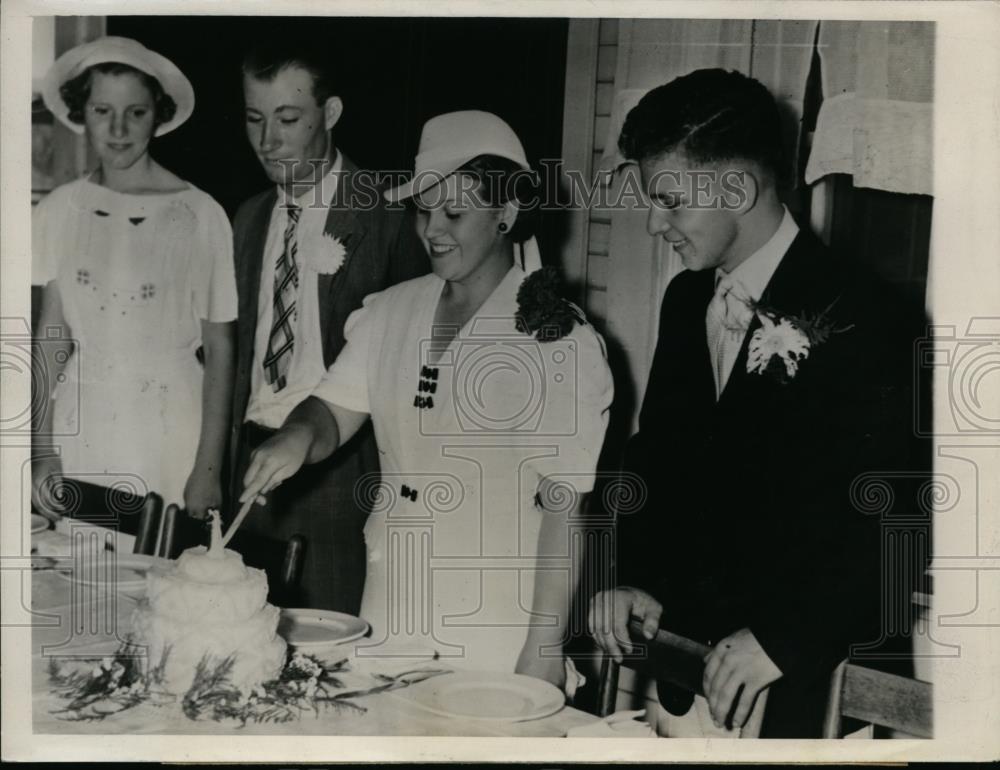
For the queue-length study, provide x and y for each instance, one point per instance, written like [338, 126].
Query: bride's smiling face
[458, 229]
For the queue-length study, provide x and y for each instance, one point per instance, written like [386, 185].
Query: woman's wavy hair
[76, 91]
[501, 181]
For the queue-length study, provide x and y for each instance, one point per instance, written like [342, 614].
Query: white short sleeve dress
[463, 442]
[136, 275]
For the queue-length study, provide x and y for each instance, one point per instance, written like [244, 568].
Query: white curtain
[876, 119]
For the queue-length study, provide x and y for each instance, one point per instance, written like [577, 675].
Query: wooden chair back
[115, 509]
[147, 534]
[879, 698]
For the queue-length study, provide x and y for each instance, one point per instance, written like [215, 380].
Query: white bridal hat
[124, 51]
[450, 141]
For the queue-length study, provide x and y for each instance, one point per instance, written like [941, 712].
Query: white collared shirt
[306, 369]
[750, 278]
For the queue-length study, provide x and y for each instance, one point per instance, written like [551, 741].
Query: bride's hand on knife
[277, 459]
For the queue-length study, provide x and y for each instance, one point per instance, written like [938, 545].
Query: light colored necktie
[725, 323]
[286, 283]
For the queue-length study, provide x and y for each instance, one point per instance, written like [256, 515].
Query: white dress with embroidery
[136, 275]
[463, 442]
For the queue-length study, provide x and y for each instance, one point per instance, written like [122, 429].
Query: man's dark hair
[265, 60]
[76, 91]
[707, 116]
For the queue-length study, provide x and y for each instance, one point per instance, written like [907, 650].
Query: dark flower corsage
[542, 311]
[783, 342]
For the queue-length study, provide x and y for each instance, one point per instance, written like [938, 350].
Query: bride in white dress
[488, 427]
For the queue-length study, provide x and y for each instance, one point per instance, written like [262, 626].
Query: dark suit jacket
[382, 250]
[751, 519]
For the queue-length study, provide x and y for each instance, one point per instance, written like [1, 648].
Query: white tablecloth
[71, 621]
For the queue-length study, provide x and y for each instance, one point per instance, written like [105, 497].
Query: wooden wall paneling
[578, 145]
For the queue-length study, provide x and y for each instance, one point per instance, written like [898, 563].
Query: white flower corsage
[324, 254]
[783, 342]
[779, 338]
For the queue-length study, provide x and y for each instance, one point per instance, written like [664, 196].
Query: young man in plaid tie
[307, 252]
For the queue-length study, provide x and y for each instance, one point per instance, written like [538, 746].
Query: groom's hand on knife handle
[610, 612]
[736, 670]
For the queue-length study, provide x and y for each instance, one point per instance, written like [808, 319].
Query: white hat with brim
[122, 50]
[450, 141]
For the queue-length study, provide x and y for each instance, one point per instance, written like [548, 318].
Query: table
[72, 622]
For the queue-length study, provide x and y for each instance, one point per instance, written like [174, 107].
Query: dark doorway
[395, 72]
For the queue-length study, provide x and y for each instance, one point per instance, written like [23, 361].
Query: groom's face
[695, 208]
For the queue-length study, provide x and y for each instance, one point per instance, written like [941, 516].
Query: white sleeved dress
[463, 442]
[136, 275]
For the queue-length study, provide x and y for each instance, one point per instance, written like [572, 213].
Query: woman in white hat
[489, 398]
[134, 333]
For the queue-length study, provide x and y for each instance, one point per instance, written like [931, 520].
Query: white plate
[38, 523]
[485, 695]
[313, 630]
[125, 572]
[140, 562]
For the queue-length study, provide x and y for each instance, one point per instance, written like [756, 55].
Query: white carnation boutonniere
[778, 348]
[324, 254]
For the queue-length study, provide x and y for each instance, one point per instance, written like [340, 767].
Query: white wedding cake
[209, 604]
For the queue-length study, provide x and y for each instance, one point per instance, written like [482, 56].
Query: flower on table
[305, 664]
[128, 689]
[116, 684]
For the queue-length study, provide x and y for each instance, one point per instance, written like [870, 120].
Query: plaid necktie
[286, 283]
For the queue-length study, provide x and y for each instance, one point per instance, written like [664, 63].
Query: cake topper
[216, 545]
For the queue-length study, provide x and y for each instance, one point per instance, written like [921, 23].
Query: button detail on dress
[405, 491]
[428, 384]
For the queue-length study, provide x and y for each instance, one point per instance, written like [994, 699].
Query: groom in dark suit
[781, 375]
[307, 252]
